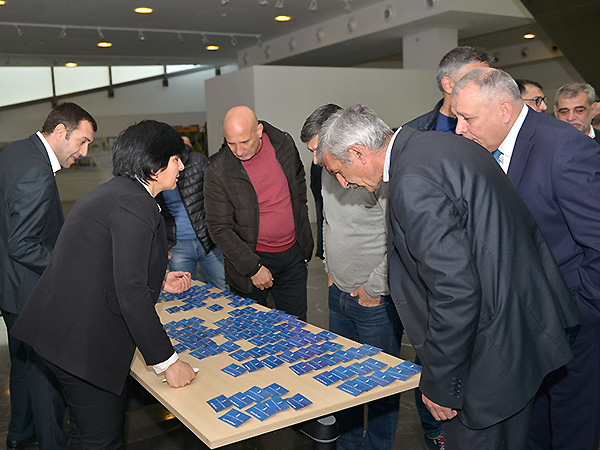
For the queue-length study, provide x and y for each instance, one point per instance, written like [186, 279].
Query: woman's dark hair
[145, 148]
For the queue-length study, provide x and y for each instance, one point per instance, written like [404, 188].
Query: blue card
[229, 346]
[298, 401]
[241, 400]
[253, 365]
[349, 388]
[289, 357]
[257, 394]
[234, 417]
[381, 378]
[219, 403]
[317, 363]
[373, 364]
[271, 362]
[369, 350]
[234, 370]
[277, 404]
[324, 378]
[240, 355]
[260, 411]
[301, 368]
[276, 390]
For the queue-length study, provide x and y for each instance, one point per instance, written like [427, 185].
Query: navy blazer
[95, 302]
[475, 284]
[30, 219]
[556, 171]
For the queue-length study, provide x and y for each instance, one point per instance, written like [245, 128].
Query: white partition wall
[285, 96]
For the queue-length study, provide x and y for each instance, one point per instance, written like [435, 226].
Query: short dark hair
[523, 83]
[70, 115]
[145, 148]
[315, 121]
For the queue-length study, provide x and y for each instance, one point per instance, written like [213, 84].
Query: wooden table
[190, 406]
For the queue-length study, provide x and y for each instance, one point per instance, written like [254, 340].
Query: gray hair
[354, 125]
[491, 83]
[453, 62]
[315, 121]
[571, 90]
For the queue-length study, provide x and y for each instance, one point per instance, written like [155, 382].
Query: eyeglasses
[537, 100]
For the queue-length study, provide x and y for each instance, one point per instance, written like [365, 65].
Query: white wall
[285, 97]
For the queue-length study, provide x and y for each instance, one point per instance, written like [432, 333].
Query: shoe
[20, 445]
[434, 443]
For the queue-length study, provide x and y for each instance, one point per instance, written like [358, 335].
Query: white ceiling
[177, 25]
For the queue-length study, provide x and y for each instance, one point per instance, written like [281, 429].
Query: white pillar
[424, 49]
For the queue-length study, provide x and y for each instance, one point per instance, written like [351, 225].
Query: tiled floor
[153, 427]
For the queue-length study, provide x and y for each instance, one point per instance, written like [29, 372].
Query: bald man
[256, 212]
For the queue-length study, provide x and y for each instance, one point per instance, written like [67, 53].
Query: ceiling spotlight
[283, 18]
[19, 31]
[63, 33]
[141, 36]
[212, 48]
[204, 39]
[234, 41]
[224, 2]
[71, 64]
[259, 42]
[313, 6]
[143, 10]
[263, 2]
[104, 44]
[279, 4]
[180, 38]
[529, 36]
[347, 7]
[2, 2]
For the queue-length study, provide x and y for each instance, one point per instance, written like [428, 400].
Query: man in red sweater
[256, 212]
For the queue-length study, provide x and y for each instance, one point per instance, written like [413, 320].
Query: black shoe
[20, 445]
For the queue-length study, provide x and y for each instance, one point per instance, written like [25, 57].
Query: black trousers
[37, 407]
[97, 416]
[509, 434]
[289, 281]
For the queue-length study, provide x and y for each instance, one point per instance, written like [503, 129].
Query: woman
[95, 302]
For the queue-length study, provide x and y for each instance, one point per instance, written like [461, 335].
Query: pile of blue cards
[265, 402]
[363, 383]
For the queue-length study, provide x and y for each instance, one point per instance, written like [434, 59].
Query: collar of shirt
[54, 163]
[388, 156]
[147, 189]
[508, 144]
[592, 132]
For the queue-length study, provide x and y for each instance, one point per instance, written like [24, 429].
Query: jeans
[379, 326]
[188, 253]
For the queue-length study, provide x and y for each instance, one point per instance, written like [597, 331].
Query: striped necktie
[496, 154]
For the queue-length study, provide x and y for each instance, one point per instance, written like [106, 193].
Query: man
[532, 94]
[451, 68]
[30, 220]
[575, 103]
[556, 170]
[360, 307]
[255, 204]
[472, 278]
[183, 210]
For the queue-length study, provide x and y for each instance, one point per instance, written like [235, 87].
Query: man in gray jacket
[360, 307]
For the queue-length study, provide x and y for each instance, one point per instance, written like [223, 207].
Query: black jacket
[232, 208]
[191, 189]
[428, 121]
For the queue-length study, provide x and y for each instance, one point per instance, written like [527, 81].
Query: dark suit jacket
[474, 282]
[95, 302]
[556, 171]
[30, 219]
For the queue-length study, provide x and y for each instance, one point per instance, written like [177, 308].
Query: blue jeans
[188, 253]
[379, 326]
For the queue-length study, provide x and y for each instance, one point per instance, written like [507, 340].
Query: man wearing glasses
[532, 95]
[575, 103]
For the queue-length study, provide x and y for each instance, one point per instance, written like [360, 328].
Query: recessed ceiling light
[212, 48]
[283, 18]
[2, 2]
[104, 44]
[71, 64]
[143, 10]
[529, 36]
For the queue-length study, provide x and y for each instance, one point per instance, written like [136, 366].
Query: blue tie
[496, 154]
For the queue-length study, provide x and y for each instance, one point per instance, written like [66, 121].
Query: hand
[179, 374]
[365, 299]
[439, 412]
[176, 282]
[329, 280]
[262, 279]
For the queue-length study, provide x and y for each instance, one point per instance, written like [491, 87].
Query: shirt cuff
[161, 367]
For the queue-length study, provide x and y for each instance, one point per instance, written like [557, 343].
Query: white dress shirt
[508, 144]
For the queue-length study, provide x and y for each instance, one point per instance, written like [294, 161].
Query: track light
[279, 4]
[101, 36]
[263, 2]
[347, 7]
[180, 38]
[19, 32]
[259, 42]
[234, 41]
[204, 39]
[141, 36]
[224, 2]
[63, 33]
[313, 6]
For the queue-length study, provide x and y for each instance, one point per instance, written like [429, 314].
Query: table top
[189, 404]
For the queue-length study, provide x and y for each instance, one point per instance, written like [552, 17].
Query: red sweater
[276, 232]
